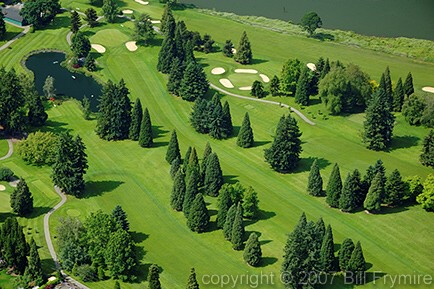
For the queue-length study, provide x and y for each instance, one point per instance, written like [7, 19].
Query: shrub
[6, 174]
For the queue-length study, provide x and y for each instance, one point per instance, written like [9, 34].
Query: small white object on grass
[131, 45]
[245, 88]
[265, 78]
[2, 188]
[98, 47]
[251, 71]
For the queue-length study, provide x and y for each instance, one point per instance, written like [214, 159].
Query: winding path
[10, 152]
[296, 111]
[24, 32]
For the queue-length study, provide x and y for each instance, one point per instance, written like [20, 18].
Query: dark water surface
[390, 18]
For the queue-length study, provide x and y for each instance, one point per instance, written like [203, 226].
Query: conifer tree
[91, 17]
[110, 10]
[228, 49]
[192, 281]
[34, 268]
[345, 253]
[357, 265]
[250, 203]
[408, 85]
[326, 69]
[427, 156]
[145, 136]
[175, 76]
[168, 21]
[154, 277]
[120, 217]
[394, 189]
[224, 202]
[80, 44]
[302, 88]
[230, 217]
[167, 55]
[334, 187]
[187, 158]
[14, 245]
[117, 285]
[227, 120]
[359, 192]
[175, 166]
[237, 235]
[275, 86]
[347, 200]
[319, 233]
[178, 191]
[194, 83]
[376, 191]
[257, 89]
[314, 185]
[252, 252]
[216, 129]
[2, 26]
[327, 252]
[136, 120]
[200, 116]
[245, 136]
[75, 21]
[213, 180]
[388, 86]
[198, 216]
[398, 96]
[192, 189]
[244, 51]
[193, 164]
[284, 153]
[36, 115]
[206, 153]
[173, 148]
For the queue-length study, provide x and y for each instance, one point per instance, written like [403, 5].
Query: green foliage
[36, 115]
[230, 217]
[257, 89]
[89, 63]
[224, 202]
[39, 148]
[168, 21]
[244, 52]
[154, 277]
[110, 10]
[213, 180]
[192, 165]
[283, 155]
[227, 126]
[237, 234]
[206, 153]
[85, 106]
[386, 85]
[21, 199]
[398, 96]
[167, 52]
[120, 257]
[314, 183]
[120, 217]
[412, 109]
[175, 166]
[345, 253]
[289, 76]
[327, 255]
[2, 27]
[80, 45]
[178, 191]
[34, 267]
[143, 29]
[187, 157]
[245, 136]
[357, 265]
[250, 203]
[427, 196]
[75, 21]
[194, 83]
[72, 243]
[192, 189]
[48, 88]
[145, 136]
[394, 189]
[275, 86]
[173, 148]
[207, 44]
[87, 273]
[117, 285]
[302, 88]
[40, 12]
[334, 187]
[136, 120]
[427, 156]
[6, 174]
[198, 216]
[228, 49]
[408, 85]
[175, 77]
[310, 22]
[348, 198]
[14, 245]
[192, 281]
[252, 252]
[91, 17]
[413, 188]
[374, 197]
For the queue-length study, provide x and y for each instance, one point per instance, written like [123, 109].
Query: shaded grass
[11, 32]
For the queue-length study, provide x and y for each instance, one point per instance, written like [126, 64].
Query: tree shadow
[142, 270]
[262, 216]
[88, 33]
[139, 237]
[54, 127]
[305, 164]
[230, 179]
[314, 101]
[267, 261]
[95, 56]
[9, 35]
[212, 227]
[160, 144]
[391, 210]
[264, 242]
[212, 212]
[97, 188]
[38, 211]
[158, 132]
[323, 36]
[60, 21]
[48, 265]
[261, 143]
[235, 131]
[4, 216]
[258, 61]
[403, 142]
[155, 42]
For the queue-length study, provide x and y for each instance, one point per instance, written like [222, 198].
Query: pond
[67, 83]
[390, 18]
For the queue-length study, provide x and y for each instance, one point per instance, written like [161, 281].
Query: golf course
[397, 241]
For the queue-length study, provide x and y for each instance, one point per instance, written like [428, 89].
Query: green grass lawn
[11, 32]
[243, 79]
[4, 147]
[6, 281]
[399, 241]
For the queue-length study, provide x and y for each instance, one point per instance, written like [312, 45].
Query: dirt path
[9, 43]
[10, 152]
[296, 111]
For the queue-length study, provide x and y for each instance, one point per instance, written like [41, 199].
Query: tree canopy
[310, 22]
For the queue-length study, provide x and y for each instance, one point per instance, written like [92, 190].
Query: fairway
[138, 179]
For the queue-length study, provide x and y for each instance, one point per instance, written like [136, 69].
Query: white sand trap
[226, 83]
[234, 50]
[218, 70]
[245, 88]
[131, 45]
[14, 183]
[155, 21]
[127, 11]
[98, 47]
[265, 78]
[311, 66]
[2, 188]
[428, 89]
[252, 71]
[142, 2]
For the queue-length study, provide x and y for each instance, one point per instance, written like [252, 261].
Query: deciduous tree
[310, 22]
[110, 10]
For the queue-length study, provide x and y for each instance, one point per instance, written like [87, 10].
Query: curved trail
[296, 111]
[10, 152]
[9, 43]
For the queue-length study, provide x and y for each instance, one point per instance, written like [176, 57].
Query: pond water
[390, 18]
[67, 83]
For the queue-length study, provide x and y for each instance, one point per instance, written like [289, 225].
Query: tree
[252, 252]
[394, 189]
[314, 183]
[379, 123]
[224, 202]
[143, 29]
[110, 10]
[48, 87]
[154, 277]
[173, 148]
[386, 85]
[21, 199]
[250, 204]
[427, 196]
[192, 281]
[275, 86]
[408, 85]
[120, 217]
[327, 254]
[398, 96]
[206, 153]
[91, 17]
[192, 189]
[199, 117]
[245, 136]
[283, 155]
[14, 246]
[230, 217]
[237, 234]
[289, 76]
[187, 157]
[72, 243]
[145, 136]
[348, 198]
[120, 257]
[345, 253]
[174, 167]
[334, 187]
[39, 148]
[198, 216]
[75, 21]
[36, 115]
[257, 89]
[80, 44]
[89, 63]
[34, 267]
[244, 51]
[376, 191]
[2, 26]
[167, 21]
[228, 49]
[302, 88]
[427, 156]
[208, 43]
[192, 166]
[136, 120]
[357, 265]
[175, 77]
[413, 109]
[40, 12]
[194, 83]
[213, 180]
[310, 22]
[178, 191]
[227, 126]
[167, 54]
[117, 285]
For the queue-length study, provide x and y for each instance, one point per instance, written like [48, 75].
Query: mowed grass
[243, 79]
[399, 241]
[4, 147]
[11, 32]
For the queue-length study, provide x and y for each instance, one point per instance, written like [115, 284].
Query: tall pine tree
[154, 277]
[120, 217]
[398, 96]
[334, 187]
[237, 234]
[314, 183]
[302, 88]
[173, 148]
[21, 199]
[345, 253]
[374, 197]
[145, 136]
[427, 156]
[252, 252]
[227, 120]
[198, 216]
[244, 51]
[192, 281]
[275, 86]
[357, 265]
[34, 268]
[348, 200]
[178, 191]
[394, 189]
[230, 217]
[327, 254]
[213, 180]
[194, 83]
[408, 85]
[136, 120]
[224, 202]
[192, 189]
[245, 136]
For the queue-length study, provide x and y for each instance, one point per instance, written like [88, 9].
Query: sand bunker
[98, 47]
[226, 83]
[142, 2]
[218, 70]
[245, 88]
[128, 11]
[234, 50]
[252, 71]
[2, 188]
[265, 78]
[311, 66]
[14, 183]
[155, 21]
[428, 89]
[131, 45]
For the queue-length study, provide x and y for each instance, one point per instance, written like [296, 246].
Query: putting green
[243, 79]
[109, 37]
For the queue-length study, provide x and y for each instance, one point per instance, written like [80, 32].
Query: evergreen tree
[245, 136]
[178, 191]
[228, 49]
[206, 153]
[175, 166]
[145, 136]
[173, 148]
[175, 77]
[110, 10]
[257, 89]
[250, 204]
[48, 88]
[398, 96]
[388, 87]
[192, 281]
[226, 120]
[319, 234]
[379, 123]
[200, 116]
[136, 120]
[192, 189]
[14, 245]
[120, 256]
[394, 189]
[198, 216]
[143, 29]
[237, 235]
[284, 153]
[244, 51]
[314, 185]
[345, 253]
[2, 26]
[427, 156]
[167, 55]
[75, 21]
[179, 38]
[194, 83]
[80, 45]
[302, 88]
[213, 180]
[154, 277]
[120, 217]
[193, 164]
[359, 192]
[216, 118]
[326, 69]
[252, 252]
[334, 187]
[187, 158]
[230, 217]
[91, 17]
[408, 85]
[34, 268]
[168, 21]
[21, 199]
[275, 86]
[357, 265]
[348, 198]
[224, 202]
[376, 191]
[89, 63]
[117, 285]
[36, 115]
[327, 252]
